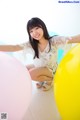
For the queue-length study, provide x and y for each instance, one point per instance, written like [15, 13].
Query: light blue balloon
[60, 55]
[60, 51]
[52, 33]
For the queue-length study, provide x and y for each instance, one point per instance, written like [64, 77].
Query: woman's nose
[34, 33]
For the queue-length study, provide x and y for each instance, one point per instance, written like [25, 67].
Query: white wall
[63, 18]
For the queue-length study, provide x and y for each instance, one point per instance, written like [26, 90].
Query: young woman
[44, 48]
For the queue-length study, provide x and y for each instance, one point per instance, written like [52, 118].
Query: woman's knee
[32, 74]
[30, 66]
[35, 73]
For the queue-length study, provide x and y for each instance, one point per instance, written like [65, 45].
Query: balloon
[60, 55]
[67, 85]
[52, 33]
[62, 51]
[15, 88]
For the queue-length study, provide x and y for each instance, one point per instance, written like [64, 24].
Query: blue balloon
[52, 33]
[60, 55]
[60, 51]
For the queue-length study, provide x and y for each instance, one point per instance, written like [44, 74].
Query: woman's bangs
[32, 25]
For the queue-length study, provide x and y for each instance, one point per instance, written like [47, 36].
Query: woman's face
[36, 33]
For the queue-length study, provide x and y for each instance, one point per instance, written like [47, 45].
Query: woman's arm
[10, 48]
[74, 39]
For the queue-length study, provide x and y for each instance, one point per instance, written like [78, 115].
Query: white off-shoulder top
[47, 58]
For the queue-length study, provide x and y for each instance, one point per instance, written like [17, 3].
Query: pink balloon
[15, 88]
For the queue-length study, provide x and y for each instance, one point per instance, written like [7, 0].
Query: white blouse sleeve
[25, 45]
[27, 48]
[60, 41]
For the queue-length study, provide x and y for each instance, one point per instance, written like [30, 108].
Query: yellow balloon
[67, 85]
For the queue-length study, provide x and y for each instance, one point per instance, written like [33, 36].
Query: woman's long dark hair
[36, 22]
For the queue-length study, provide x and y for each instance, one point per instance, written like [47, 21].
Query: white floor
[42, 106]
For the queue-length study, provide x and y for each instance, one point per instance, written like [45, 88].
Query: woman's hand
[74, 39]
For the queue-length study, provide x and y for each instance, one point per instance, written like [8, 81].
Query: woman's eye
[37, 28]
[31, 31]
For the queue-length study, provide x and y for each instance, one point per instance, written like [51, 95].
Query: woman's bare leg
[41, 74]
[30, 66]
[44, 75]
